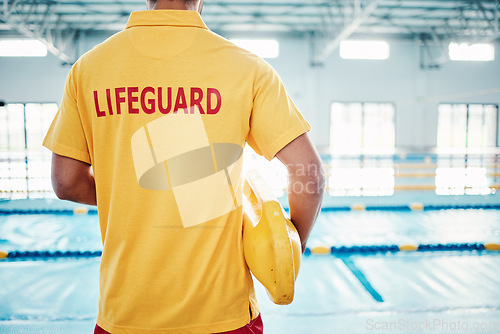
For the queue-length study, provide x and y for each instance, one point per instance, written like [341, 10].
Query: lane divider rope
[346, 250]
[317, 250]
[415, 206]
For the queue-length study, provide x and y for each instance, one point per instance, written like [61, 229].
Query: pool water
[400, 292]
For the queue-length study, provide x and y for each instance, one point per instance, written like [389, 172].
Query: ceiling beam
[347, 31]
[496, 16]
[329, 21]
[38, 31]
[22, 29]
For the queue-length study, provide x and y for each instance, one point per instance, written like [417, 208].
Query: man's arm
[73, 180]
[306, 184]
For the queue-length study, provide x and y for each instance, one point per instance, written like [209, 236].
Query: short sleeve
[275, 120]
[66, 135]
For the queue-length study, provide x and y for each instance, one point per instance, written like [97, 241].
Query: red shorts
[254, 327]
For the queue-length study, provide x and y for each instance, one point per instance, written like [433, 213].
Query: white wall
[32, 79]
[415, 92]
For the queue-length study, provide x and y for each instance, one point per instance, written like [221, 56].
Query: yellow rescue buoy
[3, 255]
[271, 243]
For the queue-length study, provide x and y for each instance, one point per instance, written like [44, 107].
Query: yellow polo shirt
[162, 111]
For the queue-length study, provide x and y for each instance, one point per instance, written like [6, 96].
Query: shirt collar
[175, 18]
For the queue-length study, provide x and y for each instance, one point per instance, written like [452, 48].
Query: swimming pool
[357, 290]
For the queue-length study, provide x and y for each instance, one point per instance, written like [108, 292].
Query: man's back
[162, 111]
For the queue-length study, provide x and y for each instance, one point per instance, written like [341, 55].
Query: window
[462, 180]
[361, 176]
[467, 126]
[362, 128]
[24, 163]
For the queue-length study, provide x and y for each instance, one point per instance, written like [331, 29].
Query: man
[151, 130]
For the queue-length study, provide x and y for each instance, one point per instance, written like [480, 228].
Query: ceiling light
[22, 48]
[378, 50]
[471, 52]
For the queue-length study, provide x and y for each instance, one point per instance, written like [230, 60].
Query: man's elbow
[63, 189]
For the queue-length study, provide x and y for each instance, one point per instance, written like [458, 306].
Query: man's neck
[173, 5]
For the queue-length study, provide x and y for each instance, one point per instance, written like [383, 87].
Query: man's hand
[306, 183]
[73, 180]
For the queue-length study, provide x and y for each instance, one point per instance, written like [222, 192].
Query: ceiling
[60, 24]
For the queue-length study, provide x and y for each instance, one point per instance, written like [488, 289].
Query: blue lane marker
[42, 212]
[362, 279]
